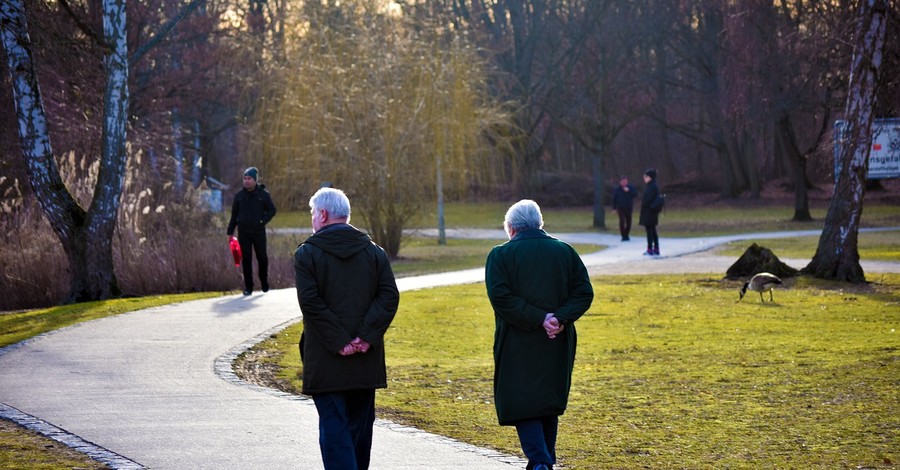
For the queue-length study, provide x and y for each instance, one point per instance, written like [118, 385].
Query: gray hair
[332, 200]
[523, 215]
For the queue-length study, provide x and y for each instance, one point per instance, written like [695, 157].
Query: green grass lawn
[20, 448]
[444, 386]
[674, 222]
[420, 255]
[873, 246]
[672, 372]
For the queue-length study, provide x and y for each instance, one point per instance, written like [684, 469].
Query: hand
[552, 326]
[358, 345]
[347, 350]
[361, 345]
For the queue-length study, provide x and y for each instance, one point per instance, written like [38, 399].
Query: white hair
[332, 200]
[523, 215]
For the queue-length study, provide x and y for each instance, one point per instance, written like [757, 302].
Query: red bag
[235, 251]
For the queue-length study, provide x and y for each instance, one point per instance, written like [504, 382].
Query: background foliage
[547, 99]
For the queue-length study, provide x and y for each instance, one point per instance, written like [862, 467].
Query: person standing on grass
[651, 205]
[348, 298]
[538, 287]
[623, 203]
[251, 211]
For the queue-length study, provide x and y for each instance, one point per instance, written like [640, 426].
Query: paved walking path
[154, 388]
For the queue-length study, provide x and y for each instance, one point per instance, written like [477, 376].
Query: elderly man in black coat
[538, 287]
[348, 297]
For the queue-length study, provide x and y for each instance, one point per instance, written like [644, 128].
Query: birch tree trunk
[101, 279]
[86, 236]
[837, 256]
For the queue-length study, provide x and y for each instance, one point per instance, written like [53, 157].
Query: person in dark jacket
[538, 287]
[251, 211]
[623, 203]
[348, 298]
[651, 205]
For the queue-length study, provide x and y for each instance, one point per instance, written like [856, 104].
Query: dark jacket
[346, 289]
[650, 206]
[251, 210]
[622, 200]
[527, 277]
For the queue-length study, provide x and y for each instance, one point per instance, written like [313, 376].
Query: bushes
[182, 249]
[163, 245]
[34, 267]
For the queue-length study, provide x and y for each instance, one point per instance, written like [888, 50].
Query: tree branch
[164, 31]
[84, 26]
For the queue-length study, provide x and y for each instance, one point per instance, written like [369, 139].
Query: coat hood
[340, 240]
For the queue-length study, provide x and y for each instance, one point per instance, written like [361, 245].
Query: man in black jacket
[623, 204]
[251, 211]
[651, 205]
[348, 298]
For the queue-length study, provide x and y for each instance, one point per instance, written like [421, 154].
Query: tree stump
[759, 259]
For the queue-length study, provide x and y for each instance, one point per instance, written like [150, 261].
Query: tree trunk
[197, 159]
[101, 280]
[786, 145]
[178, 154]
[442, 232]
[734, 146]
[837, 256]
[597, 174]
[86, 237]
[751, 164]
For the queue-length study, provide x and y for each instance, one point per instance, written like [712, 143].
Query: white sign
[884, 155]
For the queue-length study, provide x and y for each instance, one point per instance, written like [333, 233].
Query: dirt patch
[257, 367]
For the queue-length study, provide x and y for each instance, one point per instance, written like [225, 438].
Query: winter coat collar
[340, 240]
[530, 233]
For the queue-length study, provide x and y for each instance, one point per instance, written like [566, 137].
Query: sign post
[884, 152]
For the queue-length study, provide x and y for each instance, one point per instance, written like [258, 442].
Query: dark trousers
[624, 222]
[257, 242]
[538, 439]
[345, 428]
[652, 238]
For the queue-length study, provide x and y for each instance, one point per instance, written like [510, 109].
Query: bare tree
[803, 85]
[837, 256]
[526, 41]
[604, 85]
[86, 236]
[379, 107]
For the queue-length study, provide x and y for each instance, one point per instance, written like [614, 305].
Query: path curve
[154, 388]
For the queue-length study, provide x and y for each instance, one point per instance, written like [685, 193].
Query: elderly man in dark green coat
[538, 287]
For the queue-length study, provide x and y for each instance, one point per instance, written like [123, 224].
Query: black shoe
[625, 239]
[248, 292]
[265, 287]
[542, 466]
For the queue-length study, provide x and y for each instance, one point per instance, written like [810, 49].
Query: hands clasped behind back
[552, 326]
[358, 345]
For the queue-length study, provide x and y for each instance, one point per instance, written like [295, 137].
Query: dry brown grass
[164, 243]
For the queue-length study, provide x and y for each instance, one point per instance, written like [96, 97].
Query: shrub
[164, 243]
